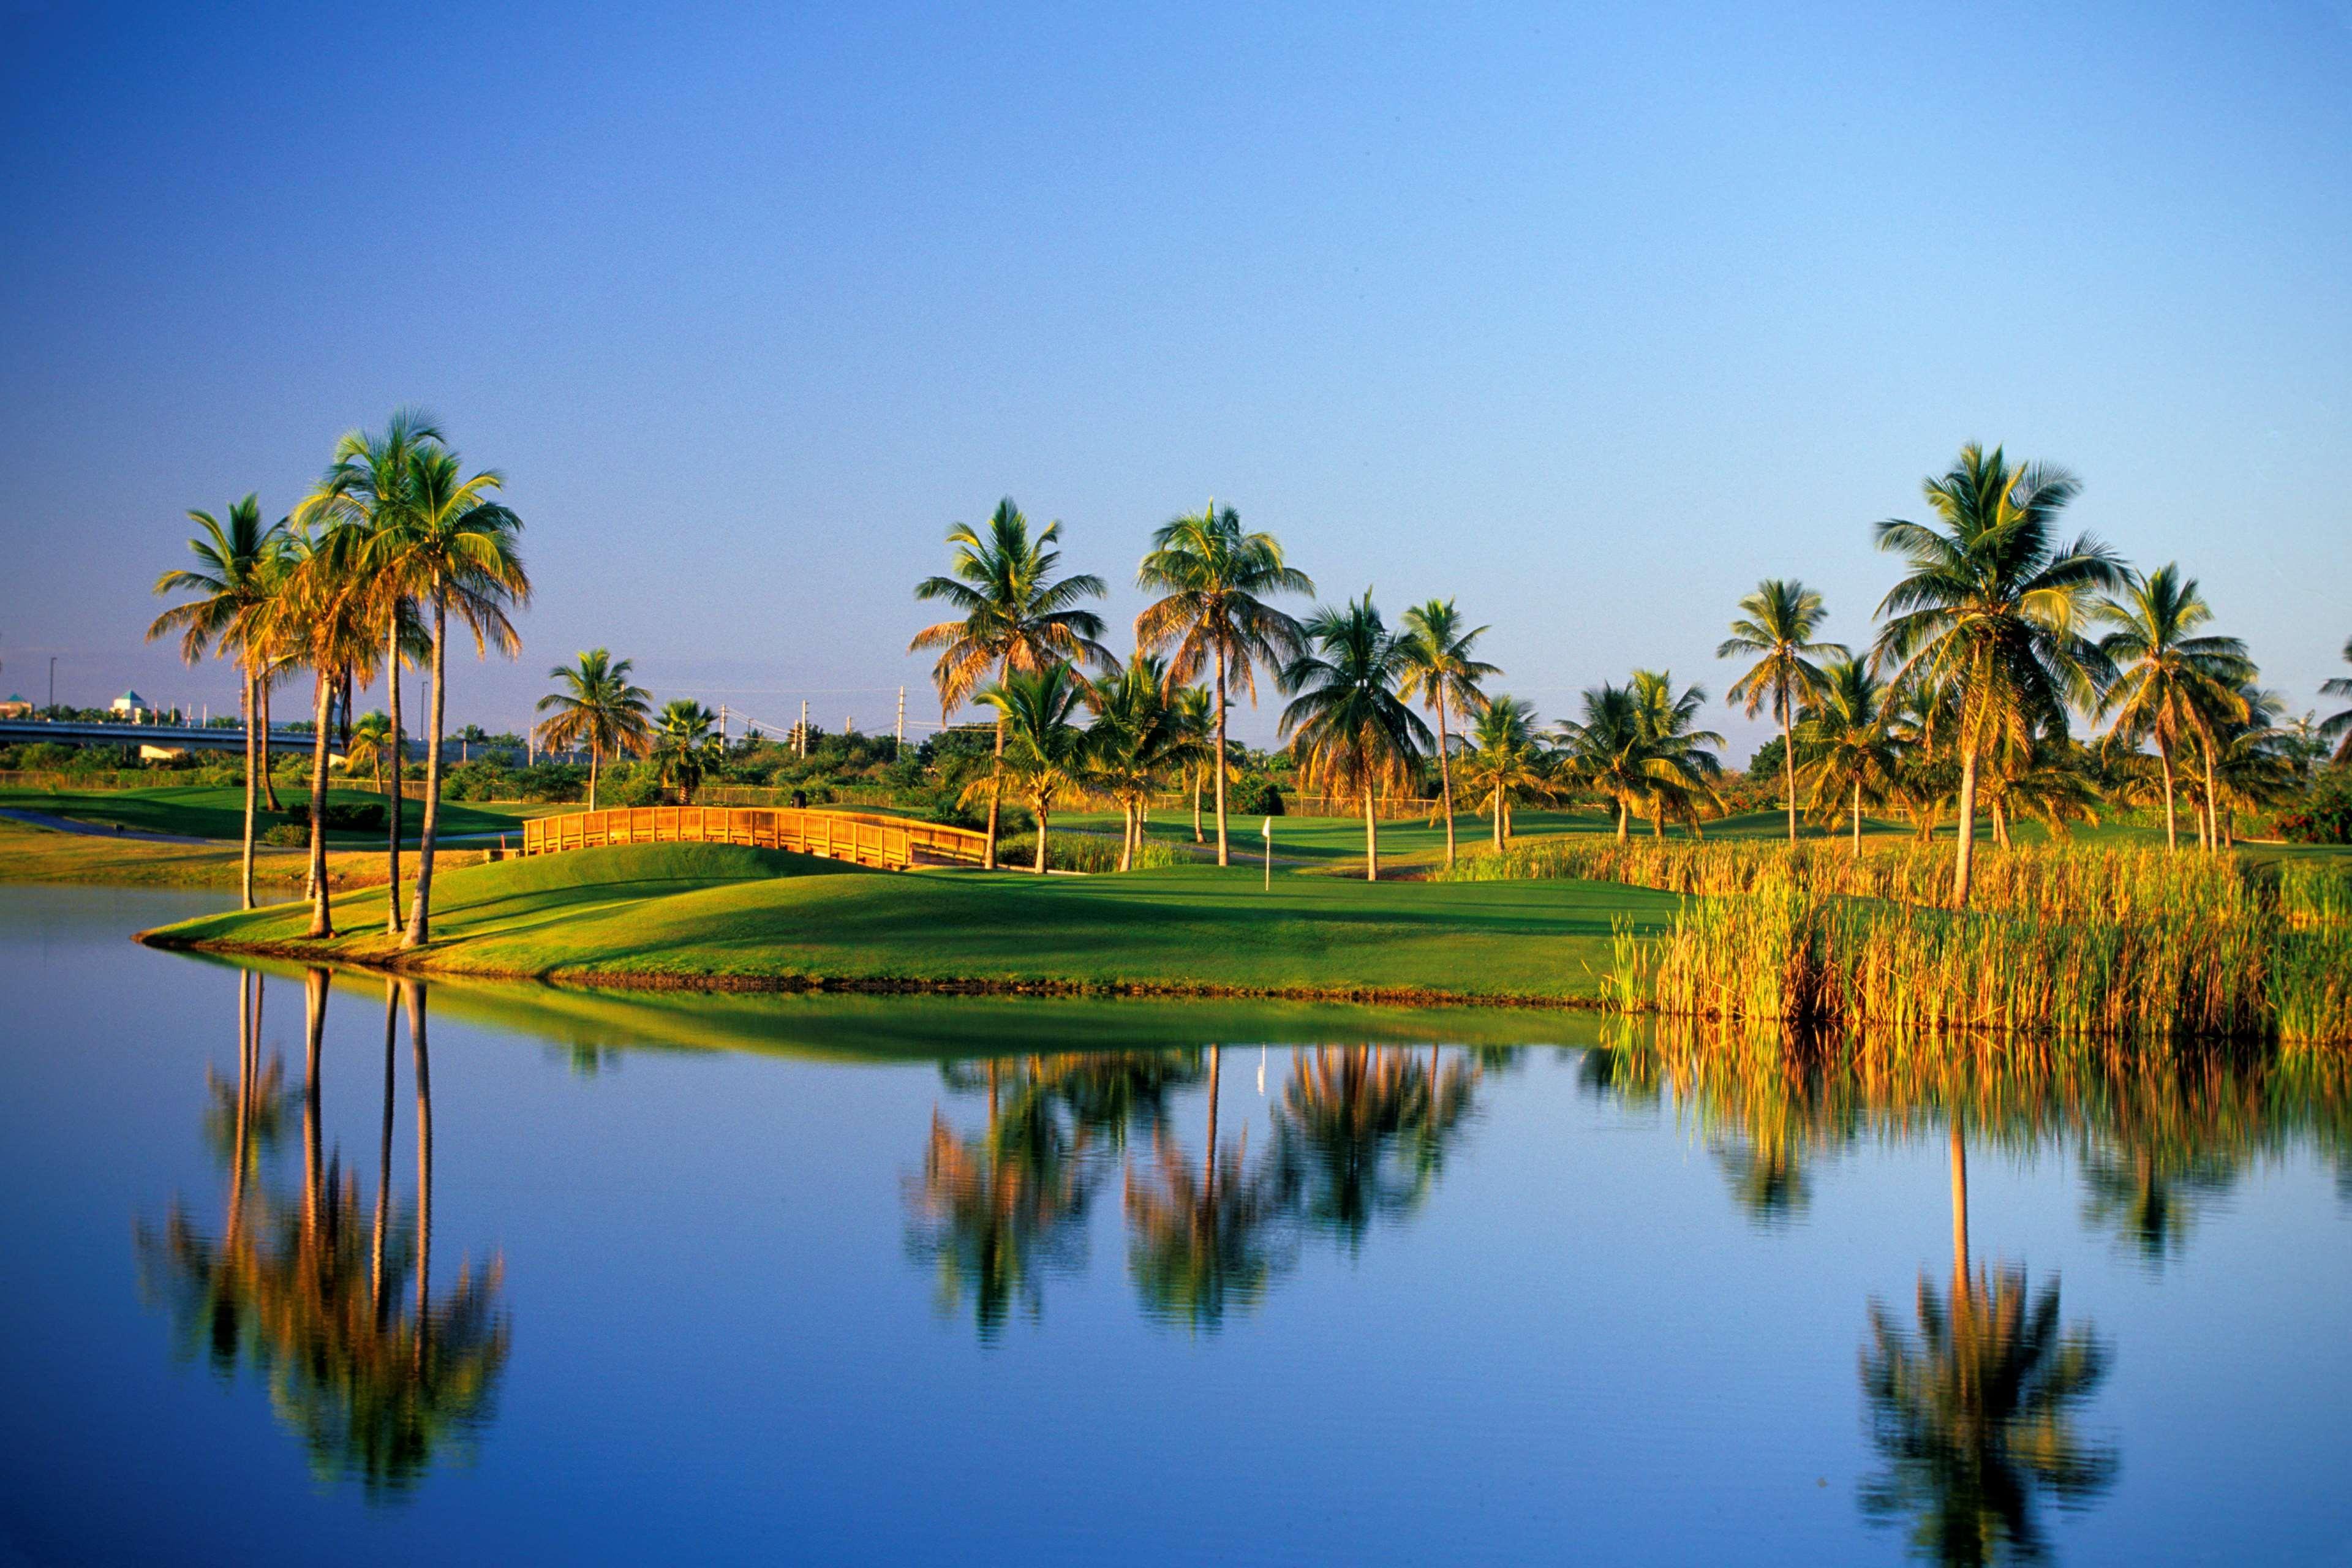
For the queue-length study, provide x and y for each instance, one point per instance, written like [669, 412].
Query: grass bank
[720, 916]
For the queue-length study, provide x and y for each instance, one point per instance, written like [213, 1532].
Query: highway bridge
[191, 737]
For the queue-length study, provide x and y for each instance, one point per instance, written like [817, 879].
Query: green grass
[688, 913]
[218, 812]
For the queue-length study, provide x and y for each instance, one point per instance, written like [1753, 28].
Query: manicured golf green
[709, 913]
[218, 811]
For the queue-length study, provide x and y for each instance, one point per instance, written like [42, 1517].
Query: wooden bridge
[888, 843]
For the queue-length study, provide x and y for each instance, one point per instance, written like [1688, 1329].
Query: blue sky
[1586, 317]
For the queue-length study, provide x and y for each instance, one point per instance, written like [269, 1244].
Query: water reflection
[329, 1301]
[1974, 1412]
[1203, 1244]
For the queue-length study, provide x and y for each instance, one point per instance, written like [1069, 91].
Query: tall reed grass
[2063, 942]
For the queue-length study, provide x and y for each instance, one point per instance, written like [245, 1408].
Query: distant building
[17, 707]
[131, 705]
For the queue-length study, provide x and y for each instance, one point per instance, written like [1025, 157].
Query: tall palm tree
[1504, 760]
[322, 618]
[1014, 618]
[370, 487]
[595, 706]
[1046, 754]
[1683, 768]
[1214, 580]
[454, 552]
[1442, 671]
[1991, 610]
[683, 746]
[2170, 686]
[235, 572]
[2338, 727]
[1850, 750]
[1777, 625]
[1350, 731]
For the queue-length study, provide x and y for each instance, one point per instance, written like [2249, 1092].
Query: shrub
[288, 835]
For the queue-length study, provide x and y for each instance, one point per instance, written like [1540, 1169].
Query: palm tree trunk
[1857, 817]
[1372, 835]
[252, 792]
[1127, 835]
[996, 782]
[268, 784]
[2212, 805]
[399, 778]
[384, 1150]
[1218, 761]
[593, 758]
[420, 909]
[1445, 774]
[1624, 818]
[322, 916]
[2000, 821]
[1198, 836]
[2171, 823]
[247, 1058]
[1039, 806]
[1965, 863]
[1209, 1165]
[1498, 819]
[1789, 759]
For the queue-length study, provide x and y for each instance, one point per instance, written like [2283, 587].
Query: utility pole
[803, 727]
[900, 744]
[723, 726]
[53, 686]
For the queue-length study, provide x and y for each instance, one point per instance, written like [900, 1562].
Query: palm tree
[1045, 753]
[2170, 686]
[1846, 738]
[235, 575]
[1214, 580]
[370, 487]
[1605, 749]
[1990, 609]
[683, 746]
[1015, 618]
[1442, 671]
[1137, 738]
[1777, 624]
[1195, 715]
[322, 617]
[1505, 760]
[595, 706]
[451, 549]
[1682, 768]
[372, 746]
[2338, 727]
[2257, 763]
[1351, 732]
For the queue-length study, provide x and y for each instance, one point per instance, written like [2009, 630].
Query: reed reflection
[312, 1289]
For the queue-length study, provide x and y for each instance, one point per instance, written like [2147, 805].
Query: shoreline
[420, 966]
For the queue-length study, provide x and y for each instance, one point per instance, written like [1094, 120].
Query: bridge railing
[889, 843]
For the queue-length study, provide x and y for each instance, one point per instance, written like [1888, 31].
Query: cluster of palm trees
[1998, 633]
[1022, 640]
[362, 578]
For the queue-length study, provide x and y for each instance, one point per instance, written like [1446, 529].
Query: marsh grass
[2061, 942]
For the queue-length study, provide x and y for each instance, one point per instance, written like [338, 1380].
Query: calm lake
[960, 1280]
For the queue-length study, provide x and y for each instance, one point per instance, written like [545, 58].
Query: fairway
[218, 812]
[657, 914]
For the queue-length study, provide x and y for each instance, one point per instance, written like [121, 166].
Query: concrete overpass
[192, 737]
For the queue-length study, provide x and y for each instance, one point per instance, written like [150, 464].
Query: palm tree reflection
[307, 1291]
[1361, 1130]
[1201, 1244]
[1974, 1414]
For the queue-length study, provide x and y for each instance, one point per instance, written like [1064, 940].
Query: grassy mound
[714, 914]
